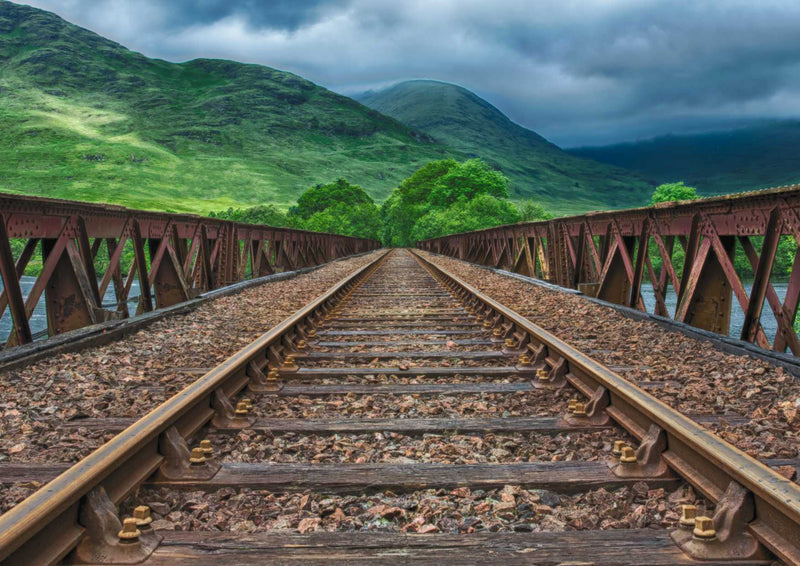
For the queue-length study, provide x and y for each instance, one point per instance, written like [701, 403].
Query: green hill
[765, 155]
[535, 167]
[81, 117]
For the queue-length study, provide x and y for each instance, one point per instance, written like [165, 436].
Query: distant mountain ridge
[83, 117]
[537, 168]
[748, 158]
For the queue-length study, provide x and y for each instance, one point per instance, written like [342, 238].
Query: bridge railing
[687, 252]
[80, 250]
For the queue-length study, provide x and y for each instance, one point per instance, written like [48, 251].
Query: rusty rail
[752, 500]
[175, 257]
[610, 254]
[48, 525]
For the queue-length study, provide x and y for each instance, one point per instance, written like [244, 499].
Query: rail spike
[648, 461]
[177, 464]
[729, 538]
[595, 410]
[226, 417]
[101, 544]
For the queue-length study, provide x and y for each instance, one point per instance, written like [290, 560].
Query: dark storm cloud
[577, 71]
[275, 14]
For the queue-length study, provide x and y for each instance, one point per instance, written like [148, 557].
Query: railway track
[442, 427]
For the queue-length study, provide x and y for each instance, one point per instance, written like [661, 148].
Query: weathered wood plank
[395, 343]
[562, 477]
[419, 371]
[645, 547]
[410, 389]
[481, 355]
[431, 332]
[540, 425]
[326, 476]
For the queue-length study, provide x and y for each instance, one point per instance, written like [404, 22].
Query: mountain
[82, 117]
[758, 156]
[536, 168]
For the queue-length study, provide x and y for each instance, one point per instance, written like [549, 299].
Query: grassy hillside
[760, 156]
[536, 167]
[82, 117]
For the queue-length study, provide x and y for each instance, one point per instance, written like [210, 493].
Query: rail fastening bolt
[312, 333]
[704, 528]
[579, 410]
[571, 405]
[510, 343]
[618, 446]
[142, 516]
[524, 360]
[542, 375]
[249, 402]
[628, 455]
[498, 332]
[207, 448]
[273, 374]
[129, 532]
[487, 324]
[289, 360]
[688, 516]
[198, 458]
[241, 409]
[301, 344]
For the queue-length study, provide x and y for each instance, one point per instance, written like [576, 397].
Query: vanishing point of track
[401, 325]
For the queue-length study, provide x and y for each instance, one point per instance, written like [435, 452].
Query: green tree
[530, 211]
[435, 188]
[267, 214]
[672, 192]
[483, 211]
[467, 180]
[322, 197]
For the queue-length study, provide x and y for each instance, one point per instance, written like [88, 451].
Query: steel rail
[45, 527]
[706, 461]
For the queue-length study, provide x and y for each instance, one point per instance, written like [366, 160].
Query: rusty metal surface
[610, 254]
[27, 531]
[706, 461]
[175, 258]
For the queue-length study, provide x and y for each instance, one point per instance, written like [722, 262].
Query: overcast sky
[576, 71]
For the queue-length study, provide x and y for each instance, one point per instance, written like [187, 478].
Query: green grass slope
[744, 159]
[535, 167]
[81, 117]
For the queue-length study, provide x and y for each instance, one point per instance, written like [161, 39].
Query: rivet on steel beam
[142, 516]
[198, 458]
[688, 516]
[241, 409]
[618, 446]
[704, 528]
[627, 455]
[207, 448]
[129, 532]
[524, 360]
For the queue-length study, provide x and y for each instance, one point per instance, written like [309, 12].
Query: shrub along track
[404, 403]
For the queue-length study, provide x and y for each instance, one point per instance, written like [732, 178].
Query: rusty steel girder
[175, 257]
[610, 254]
